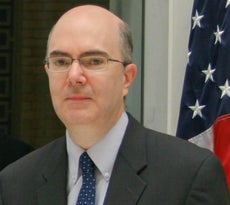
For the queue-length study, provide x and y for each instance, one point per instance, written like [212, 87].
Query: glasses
[91, 63]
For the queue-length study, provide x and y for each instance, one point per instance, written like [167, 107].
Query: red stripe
[221, 130]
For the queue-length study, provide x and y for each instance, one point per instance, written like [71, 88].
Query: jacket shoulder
[36, 159]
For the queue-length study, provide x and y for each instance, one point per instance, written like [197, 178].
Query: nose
[76, 75]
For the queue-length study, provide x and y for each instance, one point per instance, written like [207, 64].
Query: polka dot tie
[87, 192]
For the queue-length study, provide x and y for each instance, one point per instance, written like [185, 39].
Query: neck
[86, 136]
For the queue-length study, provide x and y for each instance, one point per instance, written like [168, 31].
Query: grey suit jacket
[151, 168]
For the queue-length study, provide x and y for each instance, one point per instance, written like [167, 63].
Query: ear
[46, 68]
[130, 73]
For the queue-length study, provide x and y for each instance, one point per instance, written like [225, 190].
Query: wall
[6, 55]
[167, 25]
[132, 13]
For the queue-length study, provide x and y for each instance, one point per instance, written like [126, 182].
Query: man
[11, 149]
[90, 71]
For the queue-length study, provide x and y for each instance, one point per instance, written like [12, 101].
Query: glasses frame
[46, 62]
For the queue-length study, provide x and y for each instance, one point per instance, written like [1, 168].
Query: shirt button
[106, 175]
[74, 179]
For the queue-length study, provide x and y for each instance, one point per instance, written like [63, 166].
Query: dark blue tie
[87, 192]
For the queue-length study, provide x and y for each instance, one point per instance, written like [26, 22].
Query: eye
[96, 61]
[93, 61]
[60, 61]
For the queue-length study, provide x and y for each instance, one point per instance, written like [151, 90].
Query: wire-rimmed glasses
[91, 63]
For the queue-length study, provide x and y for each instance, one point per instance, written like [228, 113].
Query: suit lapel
[52, 181]
[126, 186]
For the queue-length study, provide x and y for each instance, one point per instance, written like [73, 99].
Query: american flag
[205, 104]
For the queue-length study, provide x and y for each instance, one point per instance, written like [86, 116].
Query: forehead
[86, 30]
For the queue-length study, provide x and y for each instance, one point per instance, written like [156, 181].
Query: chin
[78, 118]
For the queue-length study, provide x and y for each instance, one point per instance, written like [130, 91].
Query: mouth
[77, 98]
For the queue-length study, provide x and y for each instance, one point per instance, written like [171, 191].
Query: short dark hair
[126, 42]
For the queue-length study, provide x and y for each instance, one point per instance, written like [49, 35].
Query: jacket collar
[126, 186]
[53, 178]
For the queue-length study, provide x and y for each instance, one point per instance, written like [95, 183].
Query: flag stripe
[222, 142]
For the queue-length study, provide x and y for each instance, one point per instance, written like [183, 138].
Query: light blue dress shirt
[103, 155]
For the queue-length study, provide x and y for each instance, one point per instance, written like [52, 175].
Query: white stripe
[204, 139]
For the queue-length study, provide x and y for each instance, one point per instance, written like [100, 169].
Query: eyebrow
[58, 53]
[87, 53]
[94, 52]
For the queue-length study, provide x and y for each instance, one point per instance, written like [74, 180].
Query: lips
[77, 98]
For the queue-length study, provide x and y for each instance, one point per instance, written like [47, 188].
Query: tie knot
[86, 164]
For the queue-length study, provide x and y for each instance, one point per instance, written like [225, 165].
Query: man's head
[81, 95]
[126, 44]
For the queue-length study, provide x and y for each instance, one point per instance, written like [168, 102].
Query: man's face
[80, 96]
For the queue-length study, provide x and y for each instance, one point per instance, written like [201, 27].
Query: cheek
[55, 86]
[113, 88]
